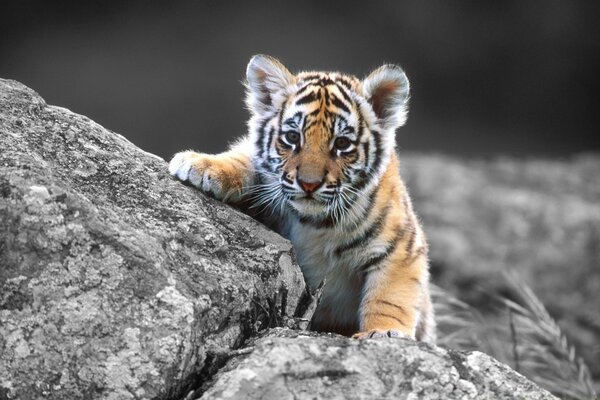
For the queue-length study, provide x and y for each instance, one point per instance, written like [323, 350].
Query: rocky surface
[288, 364]
[117, 282]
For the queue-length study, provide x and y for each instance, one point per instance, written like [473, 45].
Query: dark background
[512, 77]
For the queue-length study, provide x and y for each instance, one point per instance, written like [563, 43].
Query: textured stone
[288, 364]
[116, 281]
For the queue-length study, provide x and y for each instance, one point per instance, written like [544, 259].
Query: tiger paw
[213, 174]
[375, 334]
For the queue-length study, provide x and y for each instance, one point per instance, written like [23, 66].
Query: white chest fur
[316, 252]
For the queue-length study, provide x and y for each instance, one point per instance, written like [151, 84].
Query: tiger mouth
[309, 198]
[306, 196]
[306, 200]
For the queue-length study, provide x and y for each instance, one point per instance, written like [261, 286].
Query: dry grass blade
[459, 326]
[540, 350]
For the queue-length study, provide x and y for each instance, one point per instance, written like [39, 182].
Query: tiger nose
[309, 187]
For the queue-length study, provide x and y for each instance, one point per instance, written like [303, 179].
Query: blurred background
[501, 149]
[511, 77]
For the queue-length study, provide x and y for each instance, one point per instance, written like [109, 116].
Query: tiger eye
[292, 137]
[342, 143]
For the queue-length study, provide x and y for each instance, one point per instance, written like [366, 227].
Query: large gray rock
[300, 365]
[117, 282]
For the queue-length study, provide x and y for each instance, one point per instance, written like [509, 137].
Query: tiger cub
[319, 166]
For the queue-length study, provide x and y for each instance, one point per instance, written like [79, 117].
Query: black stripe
[315, 112]
[344, 82]
[392, 304]
[361, 133]
[408, 261]
[349, 156]
[261, 136]
[366, 147]
[373, 231]
[378, 150]
[294, 120]
[388, 316]
[310, 123]
[327, 100]
[240, 162]
[339, 104]
[327, 222]
[345, 95]
[361, 126]
[373, 261]
[376, 162]
[326, 81]
[372, 198]
[349, 130]
[303, 89]
[413, 236]
[388, 251]
[312, 77]
[354, 169]
[269, 139]
[308, 98]
[289, 188]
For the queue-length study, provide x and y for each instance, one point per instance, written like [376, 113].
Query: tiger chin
[319, 165]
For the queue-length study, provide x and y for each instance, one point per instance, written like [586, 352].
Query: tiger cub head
[322, 139]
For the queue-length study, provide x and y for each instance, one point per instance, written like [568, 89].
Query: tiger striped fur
[319, 166]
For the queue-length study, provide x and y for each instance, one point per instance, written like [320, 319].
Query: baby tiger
[319, 166]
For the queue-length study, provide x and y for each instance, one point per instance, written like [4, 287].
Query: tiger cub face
[323, 139]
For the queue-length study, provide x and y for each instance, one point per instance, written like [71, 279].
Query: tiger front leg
[223, 176]
[392, 300]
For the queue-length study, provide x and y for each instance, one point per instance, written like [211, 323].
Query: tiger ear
[387, 90]
[266, 80]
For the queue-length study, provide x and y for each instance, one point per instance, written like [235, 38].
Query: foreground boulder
[301, 365]
[117, 282]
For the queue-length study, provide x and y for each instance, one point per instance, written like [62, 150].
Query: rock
[116, 281]
[288, 364]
